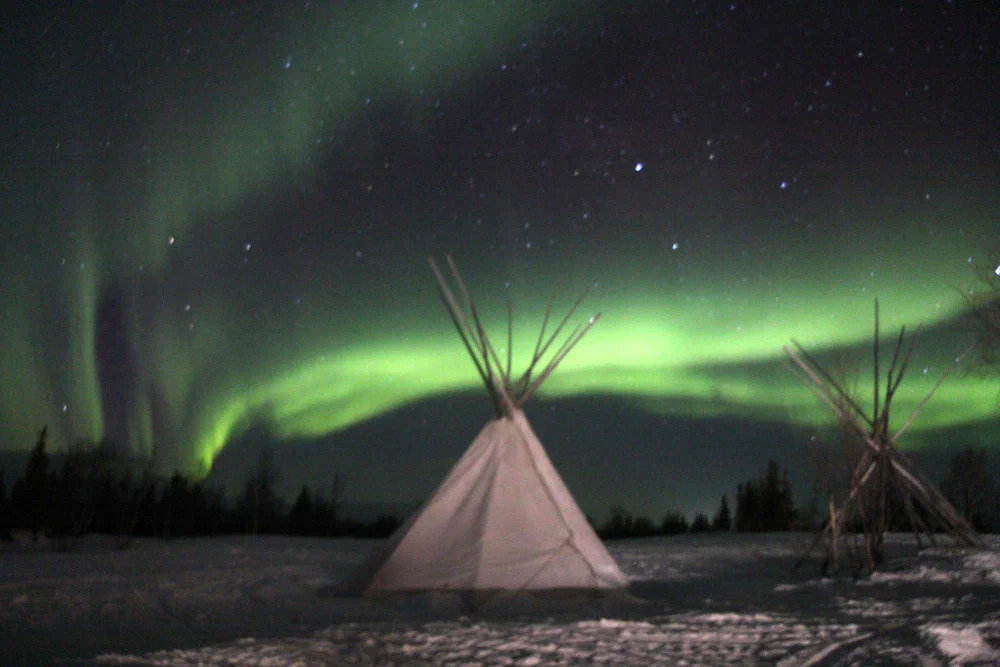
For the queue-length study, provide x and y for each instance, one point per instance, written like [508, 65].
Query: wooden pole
[564, 350]
[875, 410]
[496, 374]
[835, 535]
[525, 379]
[510, 338]
[536, 355]
[815, 371]
[881, 462]
[465, 331]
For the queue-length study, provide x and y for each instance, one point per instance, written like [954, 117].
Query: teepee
[502, 519]
[882, 468]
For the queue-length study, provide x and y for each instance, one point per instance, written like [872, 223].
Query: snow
[945, 565]
[963, 645]
[703, 599]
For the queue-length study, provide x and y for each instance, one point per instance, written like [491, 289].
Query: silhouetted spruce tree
[748, 508]
[113, 487]
[258, 504]
[72, 504]
[642, 526]
[4, 509]
[618, 524]
[899, 519]
[331, 511]
[985, 316]
[130, 492]
[787, 505]
[722, 520]
[622, 523]
[30, 495]
[326, 516]
[700, 523]
[765, 504]
[770, 498]
[740, 519]
[174, 508]
[189, 508]
[673, 523]
[302, 517]
[89, 494]
[325, 519]
[969, 485]
[211, 509]
[106, 470]
[147, 508]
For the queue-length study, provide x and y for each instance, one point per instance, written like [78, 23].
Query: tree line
[766, 503]
[762, 504]
[95, 488]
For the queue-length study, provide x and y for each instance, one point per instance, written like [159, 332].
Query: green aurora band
[208, 145]
[665, 362]
[697, 330]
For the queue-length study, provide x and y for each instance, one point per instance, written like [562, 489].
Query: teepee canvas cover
[502, 520]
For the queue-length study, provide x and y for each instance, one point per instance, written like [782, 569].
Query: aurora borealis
[219, 216]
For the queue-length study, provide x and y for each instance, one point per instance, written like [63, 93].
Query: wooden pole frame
[880, 460]
[506, 394]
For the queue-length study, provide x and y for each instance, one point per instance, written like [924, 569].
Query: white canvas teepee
[502, 519]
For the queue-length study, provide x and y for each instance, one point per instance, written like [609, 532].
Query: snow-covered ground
[704, 599]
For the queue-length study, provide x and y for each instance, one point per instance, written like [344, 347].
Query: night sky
[217, 218]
